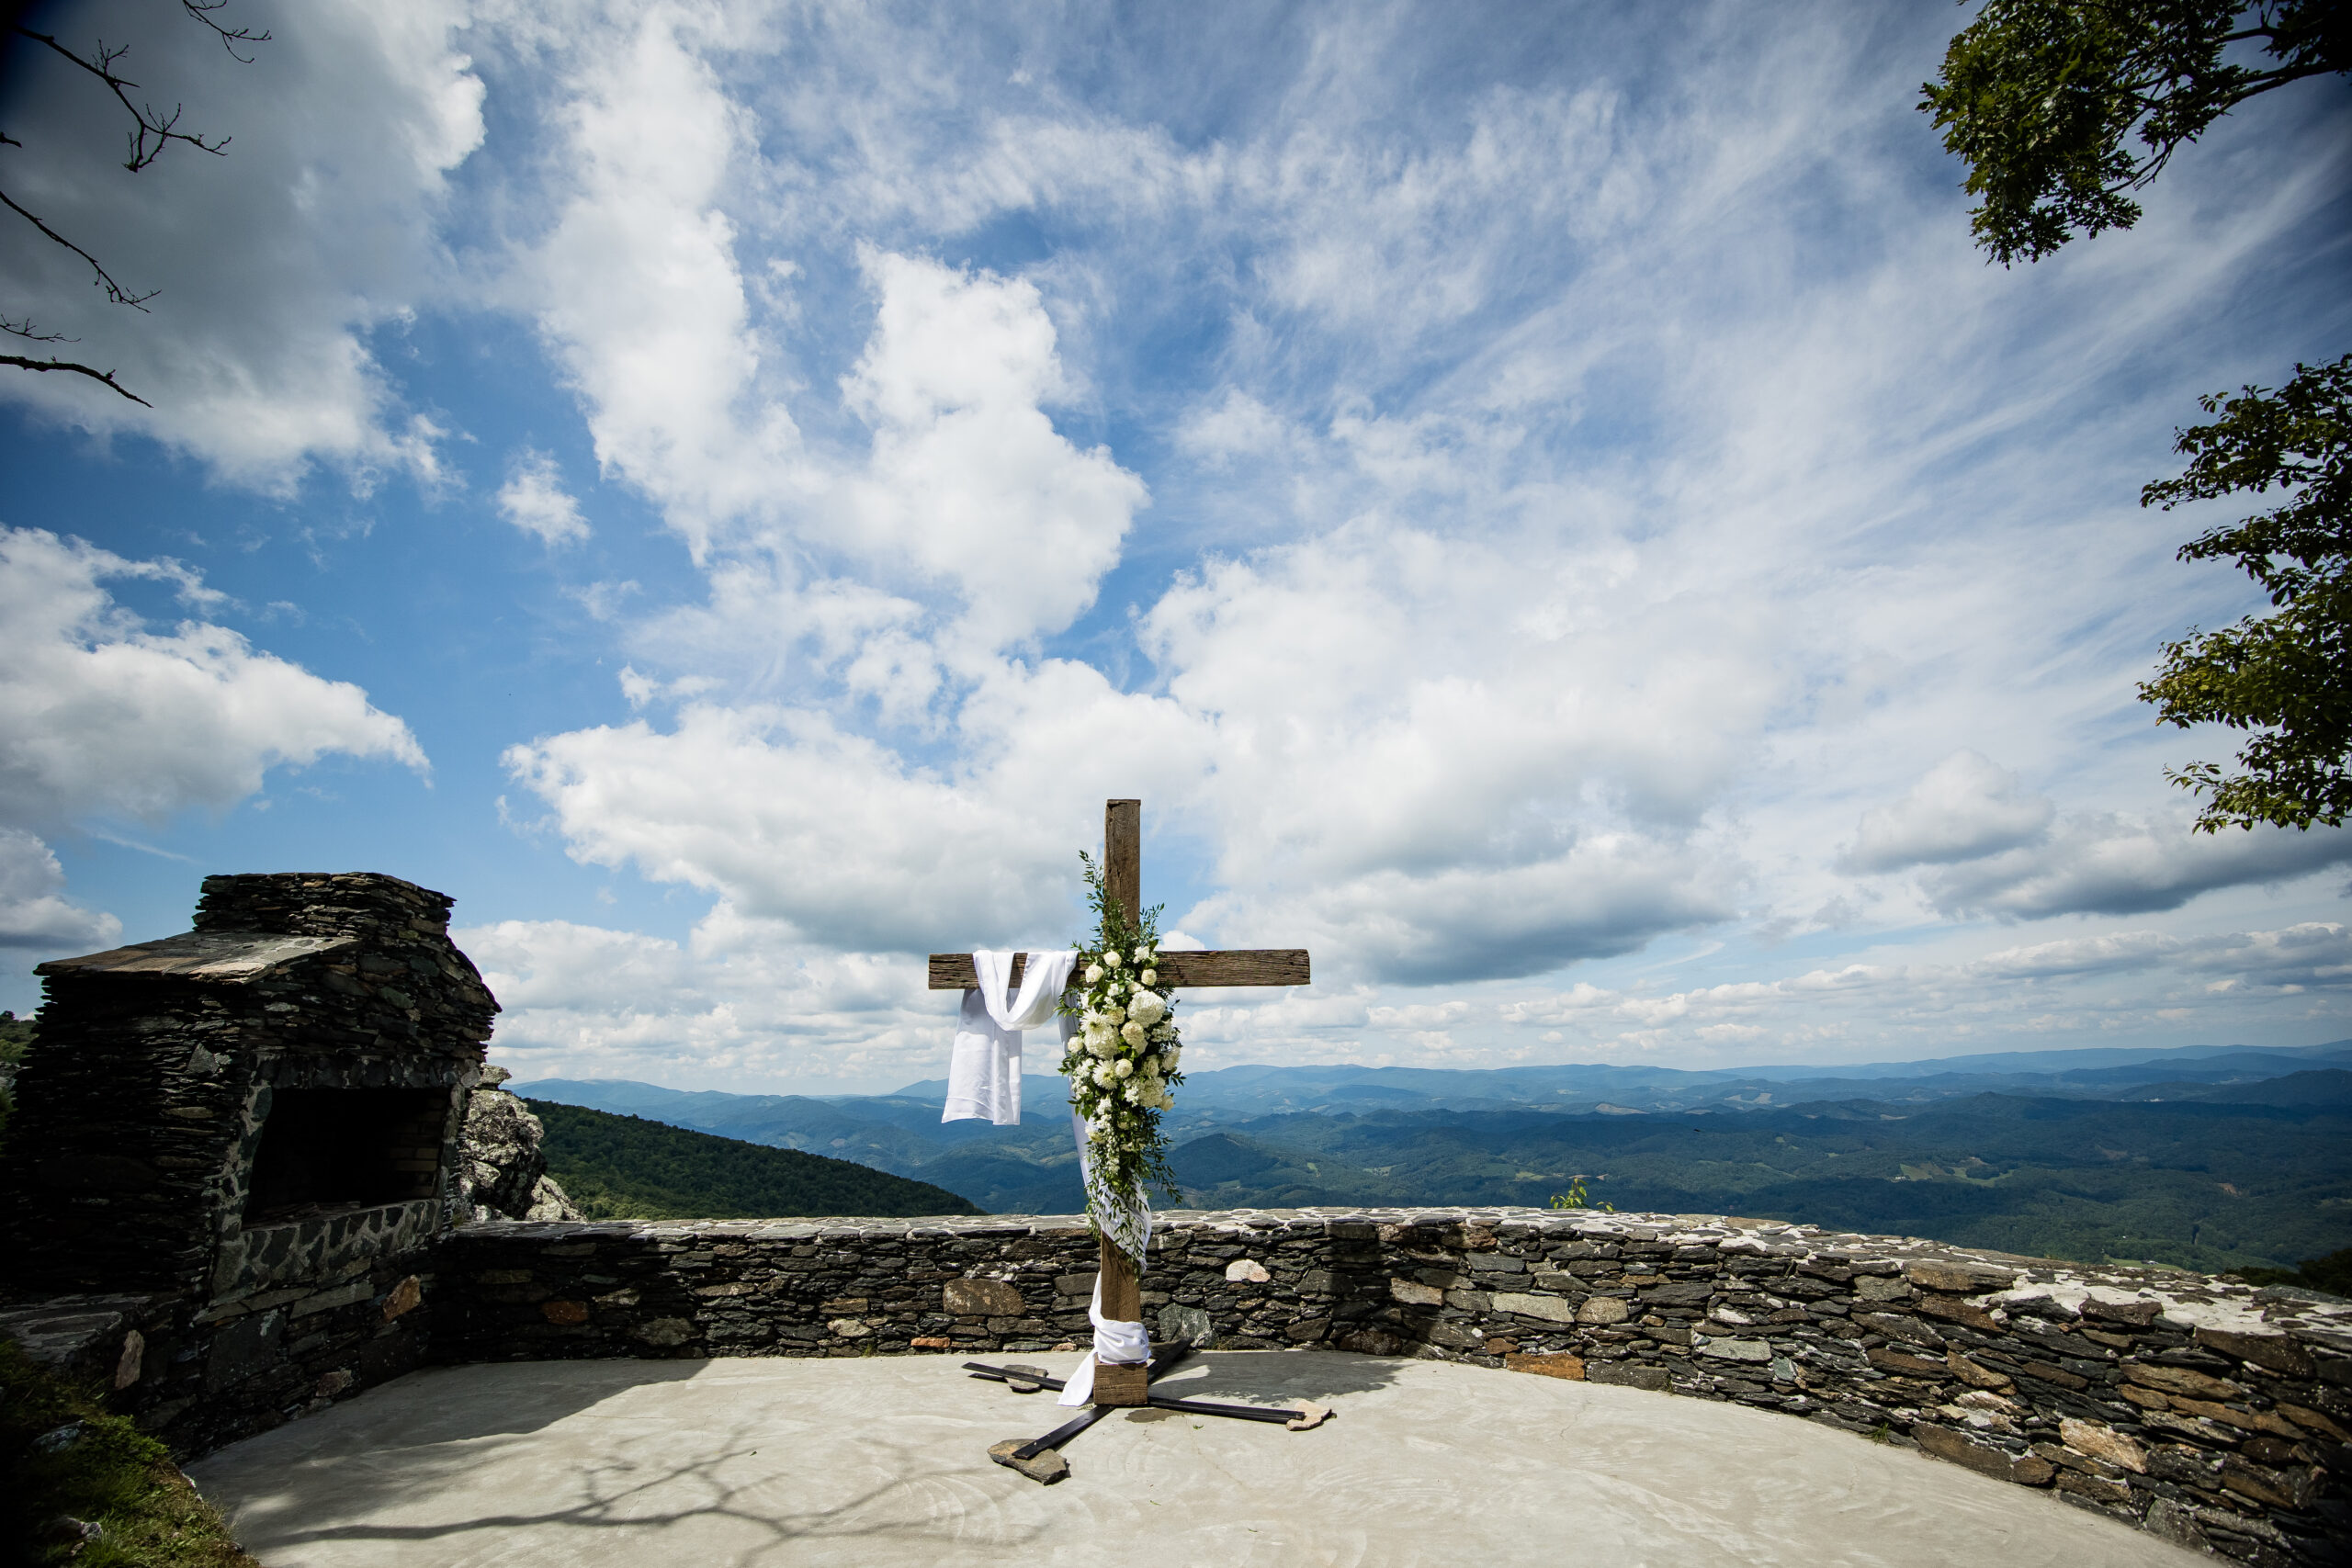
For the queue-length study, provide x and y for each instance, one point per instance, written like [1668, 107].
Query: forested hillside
[627, 1168]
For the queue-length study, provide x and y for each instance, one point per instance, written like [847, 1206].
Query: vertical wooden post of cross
[1122, 1289]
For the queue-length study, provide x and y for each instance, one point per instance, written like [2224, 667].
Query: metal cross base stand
[1039, 1458]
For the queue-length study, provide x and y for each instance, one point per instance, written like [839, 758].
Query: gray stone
[1692, 1292]
[982, 1298]
[1734, 1350]
[1185, 1326]
[1630, 1374]
[1552, 1309]
[1045, 1468]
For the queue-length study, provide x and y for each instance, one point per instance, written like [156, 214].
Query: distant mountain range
[2212, 1156]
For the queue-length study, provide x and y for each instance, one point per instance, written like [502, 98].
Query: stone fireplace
[245, 1135]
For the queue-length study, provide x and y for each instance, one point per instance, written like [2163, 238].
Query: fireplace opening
[329, 1149]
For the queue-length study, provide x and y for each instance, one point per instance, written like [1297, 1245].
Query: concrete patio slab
[882, 1462]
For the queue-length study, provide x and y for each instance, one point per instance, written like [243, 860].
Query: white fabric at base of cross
[984, 1073]
[1121, 1344]
[1118, 1343]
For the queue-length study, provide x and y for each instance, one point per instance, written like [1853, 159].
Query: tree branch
[154, 131]
[115, 291]
[202, 12]
[104, 377]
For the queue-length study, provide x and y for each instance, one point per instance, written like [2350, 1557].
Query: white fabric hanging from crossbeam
[984, 1073]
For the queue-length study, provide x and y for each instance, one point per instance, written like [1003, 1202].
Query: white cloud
[272, 264]
[2107, 863]
[745, 1008]
[1965, 807]
[101, 717]
[967, 476]
[34, 911]
[792, 820]
[1238, 425]
[534, 500]
[636, 286]
[2066, 991]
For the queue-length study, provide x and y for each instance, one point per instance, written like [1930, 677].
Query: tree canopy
[2042, 98]
[2290, 672]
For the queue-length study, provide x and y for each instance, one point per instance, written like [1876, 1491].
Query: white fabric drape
[1114, 1341]
[984, 1073]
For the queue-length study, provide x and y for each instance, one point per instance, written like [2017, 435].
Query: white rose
[1113, 958]
[1151, 977]
[1093, 974]
[1132, 1033]
[1124, 1068]
[1113, 1016]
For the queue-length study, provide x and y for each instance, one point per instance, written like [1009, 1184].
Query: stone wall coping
[2006, 1279]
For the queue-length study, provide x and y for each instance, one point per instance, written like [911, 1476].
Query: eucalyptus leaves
[1122, 1065]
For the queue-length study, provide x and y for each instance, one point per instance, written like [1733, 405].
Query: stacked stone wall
[2210, 1412]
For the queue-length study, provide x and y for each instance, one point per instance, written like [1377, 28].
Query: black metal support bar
[1158, 1364]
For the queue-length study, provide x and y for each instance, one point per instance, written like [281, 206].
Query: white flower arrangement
[1121, 1065]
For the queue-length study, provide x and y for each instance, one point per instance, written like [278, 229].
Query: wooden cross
[1122, 878]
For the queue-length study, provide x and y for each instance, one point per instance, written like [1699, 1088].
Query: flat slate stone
[885, 1463]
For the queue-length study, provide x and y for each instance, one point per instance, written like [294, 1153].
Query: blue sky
[1544, 502]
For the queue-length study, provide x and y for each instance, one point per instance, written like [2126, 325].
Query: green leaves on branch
[2288, 673]
[2042, 98]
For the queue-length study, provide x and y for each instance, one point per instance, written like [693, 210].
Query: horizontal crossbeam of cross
[1237, 967]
